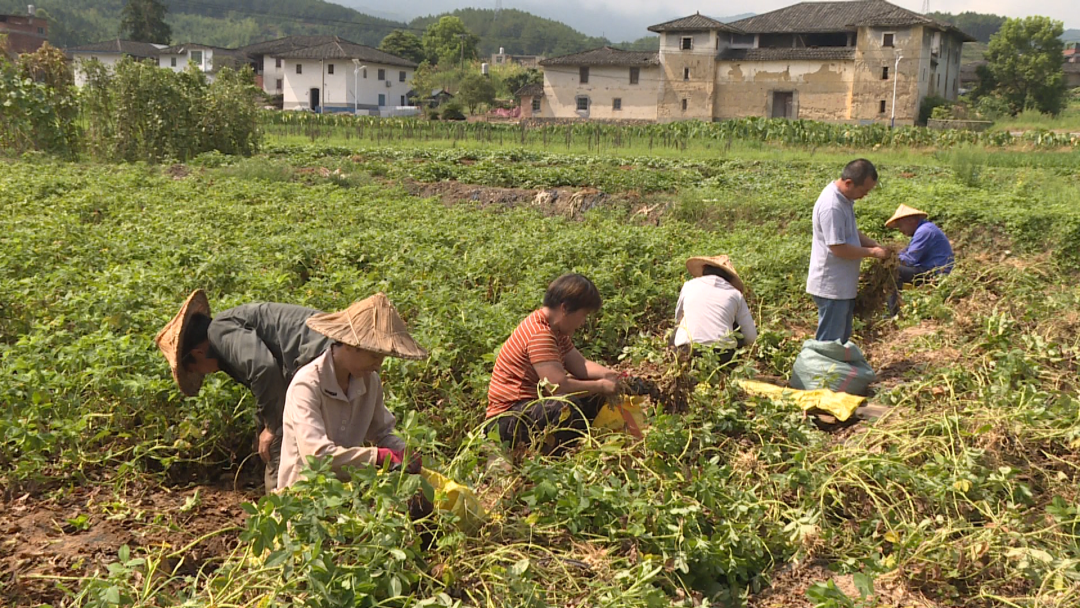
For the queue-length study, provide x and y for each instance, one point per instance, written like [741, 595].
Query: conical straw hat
[171, 342]
[696, 266]
[904, 211]
[372, 324]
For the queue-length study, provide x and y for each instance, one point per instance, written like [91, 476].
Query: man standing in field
[928, 255]
[259, 345]
[838, 248]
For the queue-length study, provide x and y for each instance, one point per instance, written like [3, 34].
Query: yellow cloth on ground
[841, 405]
[457, 499]
[627, 416]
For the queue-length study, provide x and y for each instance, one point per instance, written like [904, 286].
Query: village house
[604, 83]
[341, 76]
[266, 59]
[24, 33]
[859, 61]
[207, 59]
[109, 53]
[525, 61]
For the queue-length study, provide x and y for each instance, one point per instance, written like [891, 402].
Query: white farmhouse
[205, 58]
[267, 61]
[342, 76]
[108, 53]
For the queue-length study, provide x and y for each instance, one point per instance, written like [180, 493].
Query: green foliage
[476, 90]
[991, 107]
[144, 21]
[448, 42]
[38, 110]
[451, 110]
[403, 44]
[520, 77]
[138, 111]
[1024, 65]
[929, 104]
[518, 32]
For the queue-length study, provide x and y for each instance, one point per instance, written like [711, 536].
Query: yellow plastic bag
[457, 499]
[841, 405]
[627, 416]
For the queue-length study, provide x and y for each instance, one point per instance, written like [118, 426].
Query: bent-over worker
[334, 406]
[540, 349]
[712, 310]
[259, 345]
[929, 253]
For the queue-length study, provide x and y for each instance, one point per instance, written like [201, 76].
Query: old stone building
[833, 61]
[604, 84]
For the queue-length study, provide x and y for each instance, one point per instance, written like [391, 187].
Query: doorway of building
[783, 104]
[314, 94]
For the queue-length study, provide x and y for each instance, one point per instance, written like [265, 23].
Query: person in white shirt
[712, 311]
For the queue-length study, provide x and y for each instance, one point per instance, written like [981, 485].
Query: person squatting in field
[837, 248]
[334, 406]
[928, 255]
[259, 345]
[541, 349]
[712, 311]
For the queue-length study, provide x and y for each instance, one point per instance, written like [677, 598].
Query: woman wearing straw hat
[334, 406]
[712, 310]
[259, 345]
[929, 253]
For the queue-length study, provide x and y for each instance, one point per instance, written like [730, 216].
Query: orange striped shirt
[514, 378]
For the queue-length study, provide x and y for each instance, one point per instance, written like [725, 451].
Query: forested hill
[232, 23]
[984, 25]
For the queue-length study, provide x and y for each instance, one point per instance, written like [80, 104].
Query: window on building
[277, 63]
[583, 74]
[299, 68]
[742, 40]
[687, 43]
[582, 104]
[402, 100]
[41, 30]
[382, 74]
[196, 57]
[364, 72]
[401, 76]
[329, 68]
[939, 81]
[887, 39]
[635, 75]
[686, 73]
[172, 62]
[280, 84]
[684, 105]
[536, 104]
[616, 104]
[885, 73]
[881, 106]
[382, 99]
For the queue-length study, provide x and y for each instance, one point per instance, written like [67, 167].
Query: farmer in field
[837, 249]
[712, 311]
[259, 345]
[334, 406]
[540, 349]
[928, 255]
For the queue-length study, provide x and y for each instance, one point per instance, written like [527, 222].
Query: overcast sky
[621, 20]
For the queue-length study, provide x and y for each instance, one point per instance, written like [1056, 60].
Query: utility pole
[895, 78]
[461, 66]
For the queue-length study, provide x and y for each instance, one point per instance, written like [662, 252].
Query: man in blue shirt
[929, 254]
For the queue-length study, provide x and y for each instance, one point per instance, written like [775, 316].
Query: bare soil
[788, 589]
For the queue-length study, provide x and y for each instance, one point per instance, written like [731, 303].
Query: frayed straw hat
[696, 266]
[373, 325]
[904, 211]
[171, 342]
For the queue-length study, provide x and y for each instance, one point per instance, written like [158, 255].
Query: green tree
[448, 42]
[476, 89]
[520, 78]
[1024, 62]
[144, 21]
[403, 44]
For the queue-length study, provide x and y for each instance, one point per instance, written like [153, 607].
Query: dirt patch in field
[78, 534]
[895, 353]
[788, 587]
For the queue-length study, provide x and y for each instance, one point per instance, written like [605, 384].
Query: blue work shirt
[928, 250]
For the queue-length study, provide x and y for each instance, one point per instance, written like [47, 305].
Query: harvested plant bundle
[876, 284]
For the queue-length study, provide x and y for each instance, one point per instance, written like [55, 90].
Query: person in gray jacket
[260, 345]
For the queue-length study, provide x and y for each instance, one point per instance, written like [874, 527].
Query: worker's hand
[609, 387]
[266, 437]
[395, 457]
[415, 464]
[879, 252]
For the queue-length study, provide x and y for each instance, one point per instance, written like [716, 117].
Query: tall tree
[448, 41]
[144, 21]
[1024, 62]
[476, 89]
[403, 44]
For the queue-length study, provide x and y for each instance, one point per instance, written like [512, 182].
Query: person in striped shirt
[539, 362]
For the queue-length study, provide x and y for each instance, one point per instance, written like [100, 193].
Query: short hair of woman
[574, 291]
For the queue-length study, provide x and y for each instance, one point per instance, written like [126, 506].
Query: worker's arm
[244, 352]
[745, 322]
[583, 369]
[854, 252]
[381, 429]
[866, 241]
[554, 373]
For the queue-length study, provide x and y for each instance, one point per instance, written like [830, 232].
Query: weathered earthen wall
[821, 89]
[562, 87]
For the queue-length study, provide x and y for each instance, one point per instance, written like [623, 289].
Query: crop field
[115, 491]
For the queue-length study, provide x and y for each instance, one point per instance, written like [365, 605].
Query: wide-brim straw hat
[372, 324]
[696, 266]
[904, 211]
[171, 342]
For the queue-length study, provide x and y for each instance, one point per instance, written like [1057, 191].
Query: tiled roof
[694, 23]
[288, 44]
[342, 49]
[810, 17]
[530, 90]
[816, 54]
[178, 49]
[606, 55]
[126, 47]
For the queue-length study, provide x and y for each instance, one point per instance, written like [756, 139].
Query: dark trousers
[526, 420]
[271, 470]
[908, 275]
